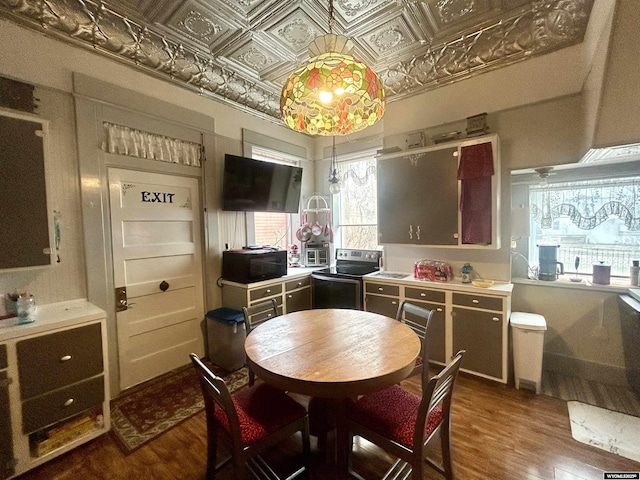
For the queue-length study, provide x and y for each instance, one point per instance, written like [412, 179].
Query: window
[355, 207]
[595, 220]
[265, 228]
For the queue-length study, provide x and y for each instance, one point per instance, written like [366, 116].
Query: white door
[157, 258]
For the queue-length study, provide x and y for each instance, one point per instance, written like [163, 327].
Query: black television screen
[256, 186]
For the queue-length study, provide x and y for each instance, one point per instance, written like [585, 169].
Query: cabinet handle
[438, 309]
[289, 296]
[423, 294]
[66, 358]
[268, 290]
[299, 284]
[411, 232]
[393, 302]
[418, 232]
[68, 403]
[475, 301]
[380, 289]
[495, 319]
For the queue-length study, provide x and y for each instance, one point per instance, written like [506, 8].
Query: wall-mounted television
[257, 186]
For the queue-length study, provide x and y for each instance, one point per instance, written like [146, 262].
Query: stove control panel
[351, 255]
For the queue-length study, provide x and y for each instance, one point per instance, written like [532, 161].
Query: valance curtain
[588, 204]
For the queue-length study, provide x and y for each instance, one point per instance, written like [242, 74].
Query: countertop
[50, 316]
[498, 288]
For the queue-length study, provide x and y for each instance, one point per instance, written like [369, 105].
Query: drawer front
[424, 295]
[46, 409]
[3, 357]
[382, 289]
[259, 317]
[52, 361]
[479, 301]
[265, 292]
[299, 283]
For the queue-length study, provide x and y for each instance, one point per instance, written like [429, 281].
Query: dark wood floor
[498, 433]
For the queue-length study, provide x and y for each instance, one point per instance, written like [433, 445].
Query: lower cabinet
[53, 385]
[7, 462]
[291, 294]
[480, 335]
[382, 298]
[298, 294]
[465, 318]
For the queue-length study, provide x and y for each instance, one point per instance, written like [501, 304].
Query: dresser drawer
[265, 292]
[479, 301]
[383, 289]
[46, 409]
[52, 361]
[299, 283]
[424, 295]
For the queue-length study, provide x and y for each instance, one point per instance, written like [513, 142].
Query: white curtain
[588, 204]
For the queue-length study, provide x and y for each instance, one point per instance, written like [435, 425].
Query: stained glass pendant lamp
[334, 93]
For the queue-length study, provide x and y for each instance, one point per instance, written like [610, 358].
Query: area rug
[612, 397]
[144, 412]
[611, 431]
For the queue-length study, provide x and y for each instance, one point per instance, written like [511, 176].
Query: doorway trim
[95, 102]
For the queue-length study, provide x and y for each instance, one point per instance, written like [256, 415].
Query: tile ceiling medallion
[241, 51]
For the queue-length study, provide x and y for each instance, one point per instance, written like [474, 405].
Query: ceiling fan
[543, 173]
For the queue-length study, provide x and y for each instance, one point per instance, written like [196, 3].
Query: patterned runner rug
[612, 397]
[141, 413]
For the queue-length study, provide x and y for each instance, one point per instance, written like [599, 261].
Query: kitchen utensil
[330, 227]
[317, 228]
[576, 278]
[304, 233]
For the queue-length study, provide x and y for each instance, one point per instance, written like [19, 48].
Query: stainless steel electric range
[340, 286]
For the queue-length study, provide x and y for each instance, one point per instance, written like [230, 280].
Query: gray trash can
[225, 338]
[527, 331]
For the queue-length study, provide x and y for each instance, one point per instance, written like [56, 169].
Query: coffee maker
[550, 267]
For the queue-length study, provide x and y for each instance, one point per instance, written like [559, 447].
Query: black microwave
[253, 265]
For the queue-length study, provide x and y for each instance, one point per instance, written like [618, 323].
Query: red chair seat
[392, 413]
[262, 410]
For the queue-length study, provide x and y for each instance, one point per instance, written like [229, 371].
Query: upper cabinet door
[25, 230]
[418, 198]
[424, 198]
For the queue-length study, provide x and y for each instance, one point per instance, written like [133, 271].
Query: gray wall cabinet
[419, 196]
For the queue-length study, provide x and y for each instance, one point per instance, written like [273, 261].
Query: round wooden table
[332, 353]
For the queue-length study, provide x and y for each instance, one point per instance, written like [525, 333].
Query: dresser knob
[475, 301]
[68, 403]
[66, 358]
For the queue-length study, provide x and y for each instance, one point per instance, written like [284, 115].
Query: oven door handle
[356, 281]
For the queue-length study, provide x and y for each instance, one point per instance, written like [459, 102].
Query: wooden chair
[404, 424]
[249, 423]
[418, 319]
[254, 315]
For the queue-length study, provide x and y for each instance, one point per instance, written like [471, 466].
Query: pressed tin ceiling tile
[241, 51]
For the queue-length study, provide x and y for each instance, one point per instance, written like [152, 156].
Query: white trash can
[527, 334]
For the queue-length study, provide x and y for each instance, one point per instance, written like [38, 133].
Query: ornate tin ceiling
[242, 51]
